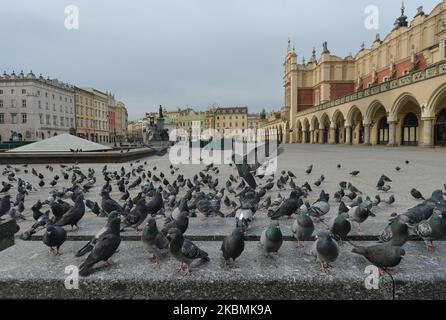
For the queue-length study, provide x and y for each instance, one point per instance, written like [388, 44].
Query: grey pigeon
[271, 239]
[326, 250]
[383, 256]
[233, 246]
[185, 251]
[341, 226]
[155, 242]
[303, 228]
[74, 215]
[104, 248]
[90, 245]
[431, 230]
[395, 234]
[54, 237]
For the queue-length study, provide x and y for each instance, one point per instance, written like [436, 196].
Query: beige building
[100, 116]
[135, 131]
[393, 93]
[84, 114]
[234, 118]
[121, 122]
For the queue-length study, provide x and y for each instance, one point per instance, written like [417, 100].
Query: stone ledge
[28, 271]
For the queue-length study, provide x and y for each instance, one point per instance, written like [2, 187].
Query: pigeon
[155, 241]
[288, 207]
[233, 246]
[271, 239]
[303, 228]
[359, 214]
[431, 230]
[341, 226]
[90, 245]
[326, 250]
[416, 194]
[309, 169]
[383, 256]
[395, 234]
[185, 251]
[104, 248]
[391, 200]
[74, 215]
[180, 222]
[54, 237]
[355, 173]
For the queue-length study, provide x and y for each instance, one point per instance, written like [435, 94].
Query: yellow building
[235, 118]
[84, 113]
[100, 116]
[121, 123]
[392, 93]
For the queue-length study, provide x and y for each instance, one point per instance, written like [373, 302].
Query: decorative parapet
[432, 71]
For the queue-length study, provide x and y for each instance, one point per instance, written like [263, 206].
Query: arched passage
[306, 131]
[339, 127]
[357, 126]
[379, 126]
[324, 129]
[407, 113]
[315, 127]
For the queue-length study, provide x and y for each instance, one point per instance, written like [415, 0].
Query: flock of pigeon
[148, 195]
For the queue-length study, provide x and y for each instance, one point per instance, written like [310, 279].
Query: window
[54, 120]
[38, 93]
[14, 118]
[24, 118]
[39, 104]
[1, 103]
[72, 122]
[2, 118]
[41, 118]
[62, 121]
[47, 106]
[23, 91]
[23, 103]
[1, 91]
[13, 103]
[46, 94]
[54, 97]
[12, 91]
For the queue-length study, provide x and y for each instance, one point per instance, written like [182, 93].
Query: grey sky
[184, 52]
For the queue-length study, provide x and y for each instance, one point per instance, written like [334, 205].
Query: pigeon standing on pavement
[54, 237]
[303, 228]
[383, 256]
[233, 246]
[185, 251]
[395, 234]
[74, 215]
[104, 248]
[155, 241]
[326, 250]
[271, 239]
[431, 230]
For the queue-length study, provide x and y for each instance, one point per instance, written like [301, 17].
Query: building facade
[231, 118]
[121, 119]
[392, 93]
[84, 114]
[34, 108]
[101, 132]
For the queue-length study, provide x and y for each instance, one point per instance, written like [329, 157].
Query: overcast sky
[184, 52]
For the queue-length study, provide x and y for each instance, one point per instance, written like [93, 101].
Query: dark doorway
[440, 129]
[410, 130]
[383, 131]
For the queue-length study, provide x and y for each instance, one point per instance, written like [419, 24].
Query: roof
[61, 143]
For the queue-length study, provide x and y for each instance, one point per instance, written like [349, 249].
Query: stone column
[367, 135]
[427, 133]
[392, 129]
[321, 136]
[332, 138]
[348, 135]
[311, 136]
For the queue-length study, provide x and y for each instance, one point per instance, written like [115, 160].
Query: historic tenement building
[393, 93]
[33, 108]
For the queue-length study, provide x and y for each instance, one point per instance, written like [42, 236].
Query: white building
[33, 108]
